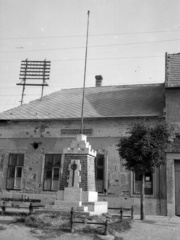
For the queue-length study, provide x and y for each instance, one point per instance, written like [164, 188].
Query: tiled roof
[173, 70]
[100, 102]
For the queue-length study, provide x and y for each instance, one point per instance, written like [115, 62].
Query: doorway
[99, 173]
[177, 187]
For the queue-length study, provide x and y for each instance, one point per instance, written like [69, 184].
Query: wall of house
[54, 136]
[172, 106]
[173, 152]
[173, 115]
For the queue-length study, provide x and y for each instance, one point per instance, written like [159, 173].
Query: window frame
[15, 168]
[52, 170]
[134, 192]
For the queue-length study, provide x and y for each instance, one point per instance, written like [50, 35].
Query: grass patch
[19, 218]
[36, 222]
[120, 226]
[2, 228]
[55, 224]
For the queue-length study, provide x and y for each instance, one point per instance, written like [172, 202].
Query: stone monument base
[78, 180]
[84, 196]
[82, 201]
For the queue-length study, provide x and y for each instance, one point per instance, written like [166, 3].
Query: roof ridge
[126, 85]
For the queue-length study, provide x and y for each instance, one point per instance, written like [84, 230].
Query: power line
[114, 58]
[94, 59]
[91, 35]
[95, 46]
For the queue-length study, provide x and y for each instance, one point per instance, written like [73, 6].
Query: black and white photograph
[89, 119]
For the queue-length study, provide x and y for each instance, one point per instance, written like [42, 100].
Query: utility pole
[32, 73]
[24, 82]
[82, 110]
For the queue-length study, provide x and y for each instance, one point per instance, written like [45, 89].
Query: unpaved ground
[153, 228]
[18, 232]
[21, 232]
[55, 226]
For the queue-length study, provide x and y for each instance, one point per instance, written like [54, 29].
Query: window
[14, 173]
[148, 183]
[52, 172]
[99, 173]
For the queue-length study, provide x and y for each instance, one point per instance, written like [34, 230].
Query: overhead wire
[80, 47]
[94, 59]
[95, 46]
[91, 35]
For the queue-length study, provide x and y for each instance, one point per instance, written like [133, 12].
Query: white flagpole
[82, 110]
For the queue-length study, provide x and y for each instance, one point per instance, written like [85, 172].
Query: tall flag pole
[82, 110]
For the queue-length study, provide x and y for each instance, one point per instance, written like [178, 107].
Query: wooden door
[177, 187]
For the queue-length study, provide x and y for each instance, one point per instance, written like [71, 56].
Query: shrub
[33, 221]
[120, 226]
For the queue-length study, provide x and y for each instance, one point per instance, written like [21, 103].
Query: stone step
[67, 203]
[58, 207]
[98, 207]
[82, 209]
[67, 208]
[93, 207]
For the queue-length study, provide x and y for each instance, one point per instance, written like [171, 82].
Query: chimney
[99, 79]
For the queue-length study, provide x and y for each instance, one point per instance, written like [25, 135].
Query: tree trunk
[142, 199]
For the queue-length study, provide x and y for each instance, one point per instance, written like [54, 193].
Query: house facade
[172, 98]
[33, 136]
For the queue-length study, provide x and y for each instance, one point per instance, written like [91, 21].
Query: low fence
[14, 204]
[72, 222]
[20, 200]
[122, 210]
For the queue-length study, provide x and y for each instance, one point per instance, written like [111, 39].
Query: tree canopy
[144, 146]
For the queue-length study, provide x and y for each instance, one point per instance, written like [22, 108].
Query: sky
[127, 42]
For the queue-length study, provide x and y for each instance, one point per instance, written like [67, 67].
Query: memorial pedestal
[78, 180]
